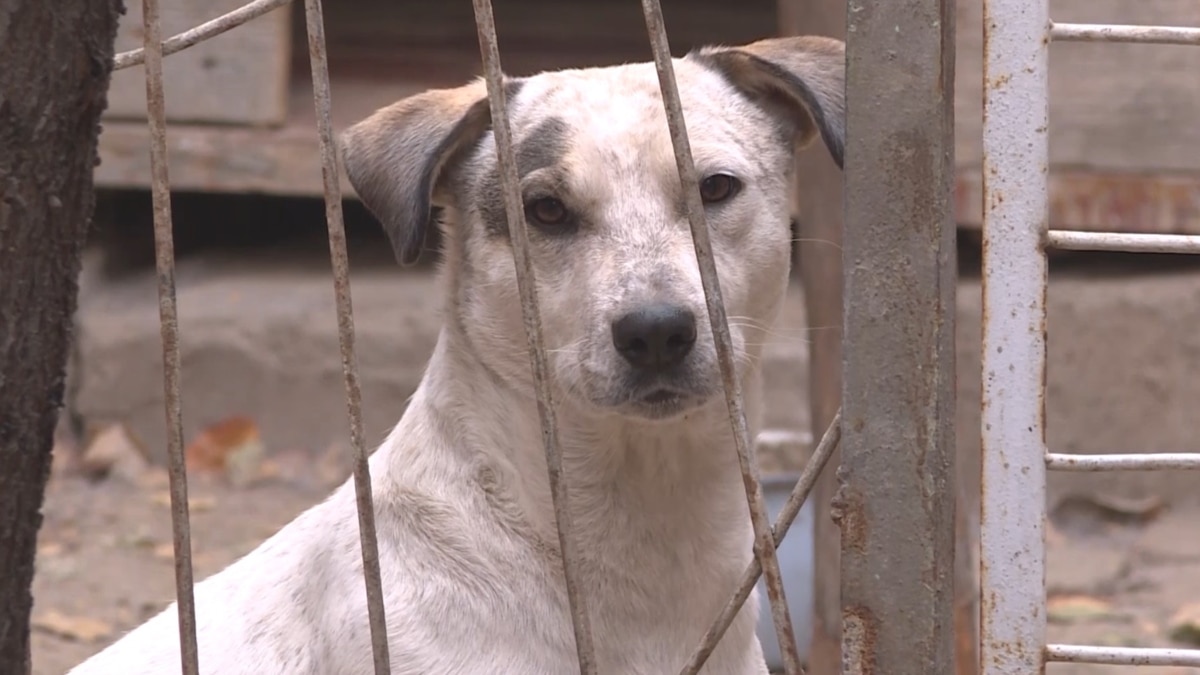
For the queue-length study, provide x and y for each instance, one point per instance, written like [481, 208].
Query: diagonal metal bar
[164, 260]
[204, 31]
[339, 259]
[489, 51]
[764, 546]
[787, 515]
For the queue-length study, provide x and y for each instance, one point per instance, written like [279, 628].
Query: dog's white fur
[471, 571]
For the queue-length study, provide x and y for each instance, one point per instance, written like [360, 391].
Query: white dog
[472, 574]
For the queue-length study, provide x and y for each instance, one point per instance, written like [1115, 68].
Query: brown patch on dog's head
[800, 79]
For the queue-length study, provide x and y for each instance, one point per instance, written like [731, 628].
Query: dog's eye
[718, 188]
[547, 211]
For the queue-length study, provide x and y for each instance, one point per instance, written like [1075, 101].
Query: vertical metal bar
[787, 515]
[896, 504]
[764, 545]
[340, 262]
[164, 260]
[489, 51]
[1015, 216]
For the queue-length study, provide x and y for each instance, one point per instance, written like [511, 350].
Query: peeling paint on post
[897, 500]
[1015, 215]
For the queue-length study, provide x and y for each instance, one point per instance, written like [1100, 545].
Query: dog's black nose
[655, 337]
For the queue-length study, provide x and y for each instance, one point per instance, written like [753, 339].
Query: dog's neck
[617, 469]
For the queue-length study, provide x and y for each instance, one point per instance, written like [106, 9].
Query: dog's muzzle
[655, 341]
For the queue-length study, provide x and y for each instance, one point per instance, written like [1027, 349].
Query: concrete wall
[260, 339]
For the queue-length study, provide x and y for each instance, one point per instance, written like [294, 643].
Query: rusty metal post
[896, 503]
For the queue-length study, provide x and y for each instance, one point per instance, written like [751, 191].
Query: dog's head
[619, 289]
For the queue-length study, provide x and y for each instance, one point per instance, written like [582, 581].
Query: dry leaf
[154, 477]
[78, 628]
[1076, 608]
[335, 465]
[1148, 627]
[114, 450]
[64, 458]
[1053, 536]
[1185, 625]
[196, 504]
[269, 471]
[232, 447]
[138, 539]
[50, 548]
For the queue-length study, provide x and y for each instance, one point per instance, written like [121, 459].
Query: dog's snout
[655, 337]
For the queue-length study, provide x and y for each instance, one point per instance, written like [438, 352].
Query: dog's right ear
[396, 159]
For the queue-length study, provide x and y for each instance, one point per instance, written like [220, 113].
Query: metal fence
[766, 535]
[1016, 237]
[896, 503]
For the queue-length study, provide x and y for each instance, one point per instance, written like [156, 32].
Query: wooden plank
[414, 38]
[1124, 108]
[210, 158]
[284, 160]
[1097, 201]
[238, 77]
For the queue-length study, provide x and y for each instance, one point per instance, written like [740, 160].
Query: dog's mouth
[661, 397]
[659, 402]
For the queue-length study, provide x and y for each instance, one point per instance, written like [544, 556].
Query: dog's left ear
[803, 79]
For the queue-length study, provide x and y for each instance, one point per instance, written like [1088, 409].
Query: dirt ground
[1119, 573]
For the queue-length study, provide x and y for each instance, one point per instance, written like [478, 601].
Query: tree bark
[57, 58]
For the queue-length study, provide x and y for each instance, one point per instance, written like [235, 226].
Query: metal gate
[1016, 236]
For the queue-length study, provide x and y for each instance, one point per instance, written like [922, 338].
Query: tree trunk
[57, 58]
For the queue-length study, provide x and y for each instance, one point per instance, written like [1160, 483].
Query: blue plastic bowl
[796, 564]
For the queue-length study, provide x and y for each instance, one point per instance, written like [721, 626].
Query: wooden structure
[239, 78]
[378, 52]
[1123, 142]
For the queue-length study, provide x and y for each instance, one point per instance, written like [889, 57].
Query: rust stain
[859, 638]
[849, 514]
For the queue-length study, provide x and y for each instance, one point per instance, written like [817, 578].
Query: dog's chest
[656, 580]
